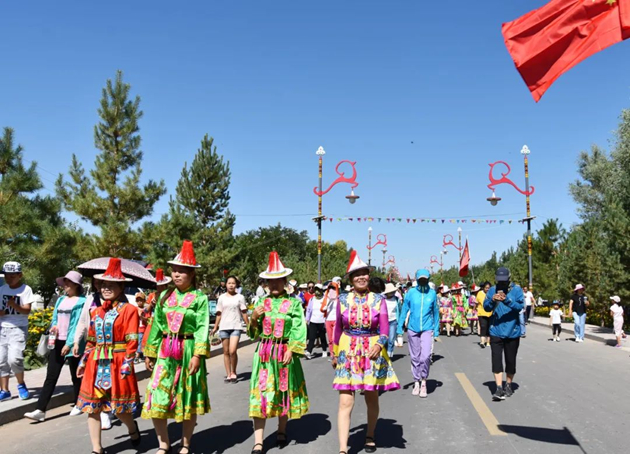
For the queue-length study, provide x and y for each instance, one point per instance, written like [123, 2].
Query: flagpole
[470, 260]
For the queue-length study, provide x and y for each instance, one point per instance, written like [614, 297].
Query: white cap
[336, 280]
[616, 299]
[12, 267]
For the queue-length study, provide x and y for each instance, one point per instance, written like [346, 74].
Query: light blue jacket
[422, 302]
[504, 321]
[72, 326]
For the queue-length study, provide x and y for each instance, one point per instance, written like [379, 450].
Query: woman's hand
[375, 351]
[53, 330]
[149, 363]
[287, 357]
[65, 350]
[258, 312]
[193, 365]
[334, 362]
[80, 371]
[75, 350]
[498, 296]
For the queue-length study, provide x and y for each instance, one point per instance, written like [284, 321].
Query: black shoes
[508, 390]
[499, 394]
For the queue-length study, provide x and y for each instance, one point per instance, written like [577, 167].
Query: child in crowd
[617, 314]
[15, 305]
[555, 320]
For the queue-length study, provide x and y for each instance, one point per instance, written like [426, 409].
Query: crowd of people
[101, 336]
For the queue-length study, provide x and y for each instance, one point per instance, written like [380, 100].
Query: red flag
[463, 264]
[547, 42]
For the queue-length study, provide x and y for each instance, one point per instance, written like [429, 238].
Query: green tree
[31, 232]
[112, 198]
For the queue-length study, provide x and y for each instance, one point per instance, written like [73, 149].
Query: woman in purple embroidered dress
[361, 362]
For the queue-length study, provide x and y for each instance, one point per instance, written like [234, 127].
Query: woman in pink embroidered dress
[361, 362]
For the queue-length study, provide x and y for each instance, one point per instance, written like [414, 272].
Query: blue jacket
[504, 321]
[425, 313]
[72, 326]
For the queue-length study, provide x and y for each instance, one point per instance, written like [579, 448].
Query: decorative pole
[459, 232]
[529, 190]
[370, 246]
[319, 192]
[384, 252]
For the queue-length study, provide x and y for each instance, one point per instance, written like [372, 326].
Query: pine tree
[31, 231]
[112, 198]
[199, 212]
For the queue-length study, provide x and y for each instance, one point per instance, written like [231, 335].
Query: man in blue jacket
[506, 301]
[424, 322]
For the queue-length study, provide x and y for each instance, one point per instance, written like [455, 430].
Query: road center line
[492, 424]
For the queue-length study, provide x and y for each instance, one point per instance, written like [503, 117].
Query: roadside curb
[64, 394]
[570, 328]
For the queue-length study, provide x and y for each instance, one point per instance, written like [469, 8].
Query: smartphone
[502, 286]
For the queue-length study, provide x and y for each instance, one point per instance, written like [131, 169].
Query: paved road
[571, 398]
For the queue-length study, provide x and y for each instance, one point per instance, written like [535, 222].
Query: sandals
[166, 451]
[369, 447]
[257, 451]
[187, 448]
[281, 443]
[135, 442]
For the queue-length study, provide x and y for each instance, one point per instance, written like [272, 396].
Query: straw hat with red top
[356, 264]
[474, 288]
[455, 288]
[160, 279]
[275, 269]
[113, 273]
[186, 257]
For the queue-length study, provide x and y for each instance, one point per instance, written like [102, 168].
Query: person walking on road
[555, 320]
[231, 313]
[505, 300]
[360, 362]
[423, 327]
[617, 314]
[64, 322]
[529, 303]
[484, 316]
[316, 320]
[176, 353]
[277, 385]
[330, 300]
[446, 309]
[393, 313]
[578, 305]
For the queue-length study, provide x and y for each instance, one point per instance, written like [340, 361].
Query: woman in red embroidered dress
[109, 382]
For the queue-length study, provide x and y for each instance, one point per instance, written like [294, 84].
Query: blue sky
[272, 81]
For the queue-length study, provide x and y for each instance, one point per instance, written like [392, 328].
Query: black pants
[55, 364]
[557, 327]
[528, 313]
[317, 330]
[484, 325]
[507, 347]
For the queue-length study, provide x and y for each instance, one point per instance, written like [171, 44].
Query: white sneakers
[75, 411]
[36, 415]
[579, 340]
[106, 423]
[416, 389]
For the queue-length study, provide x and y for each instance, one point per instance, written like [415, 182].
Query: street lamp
[384, 252]
[381, 239]
[370, 246]
[494, 200]
[352, 198]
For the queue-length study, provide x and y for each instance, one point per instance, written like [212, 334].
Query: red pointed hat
[113, 273]
[186, 257]
[160, 279]
[356, 264]
[275, 269]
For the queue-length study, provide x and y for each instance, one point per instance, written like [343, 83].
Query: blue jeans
[521, 319]
[580, 325]
[393, 326]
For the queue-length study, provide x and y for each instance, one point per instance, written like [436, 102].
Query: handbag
[42, 347]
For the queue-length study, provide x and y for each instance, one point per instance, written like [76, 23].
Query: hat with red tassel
[113, 273]
[275, 269]
[186, 257]
[160, 279]
[356, 264]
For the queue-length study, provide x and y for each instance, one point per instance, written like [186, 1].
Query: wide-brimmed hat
[356, 264]
[616, 299]
[446, 288]
[389, 288]
[113, 273]
[336, 280]
[275, 268]
[186, 256]
[474, 288]
[303, 286]
[455, 287]
[160, 279]
[72, 276]
[578, 287]
[319, 286]
[293, 282]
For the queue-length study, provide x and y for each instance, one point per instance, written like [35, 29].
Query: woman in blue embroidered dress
[109, 382]
[361, 362]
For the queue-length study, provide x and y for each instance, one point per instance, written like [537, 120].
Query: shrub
[38, 323]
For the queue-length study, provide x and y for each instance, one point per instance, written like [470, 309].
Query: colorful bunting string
[426, 220]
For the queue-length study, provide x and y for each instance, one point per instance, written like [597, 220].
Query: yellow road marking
[482, 409]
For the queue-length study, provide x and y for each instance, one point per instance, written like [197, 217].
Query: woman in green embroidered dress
[176, 351]
[277, 386]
